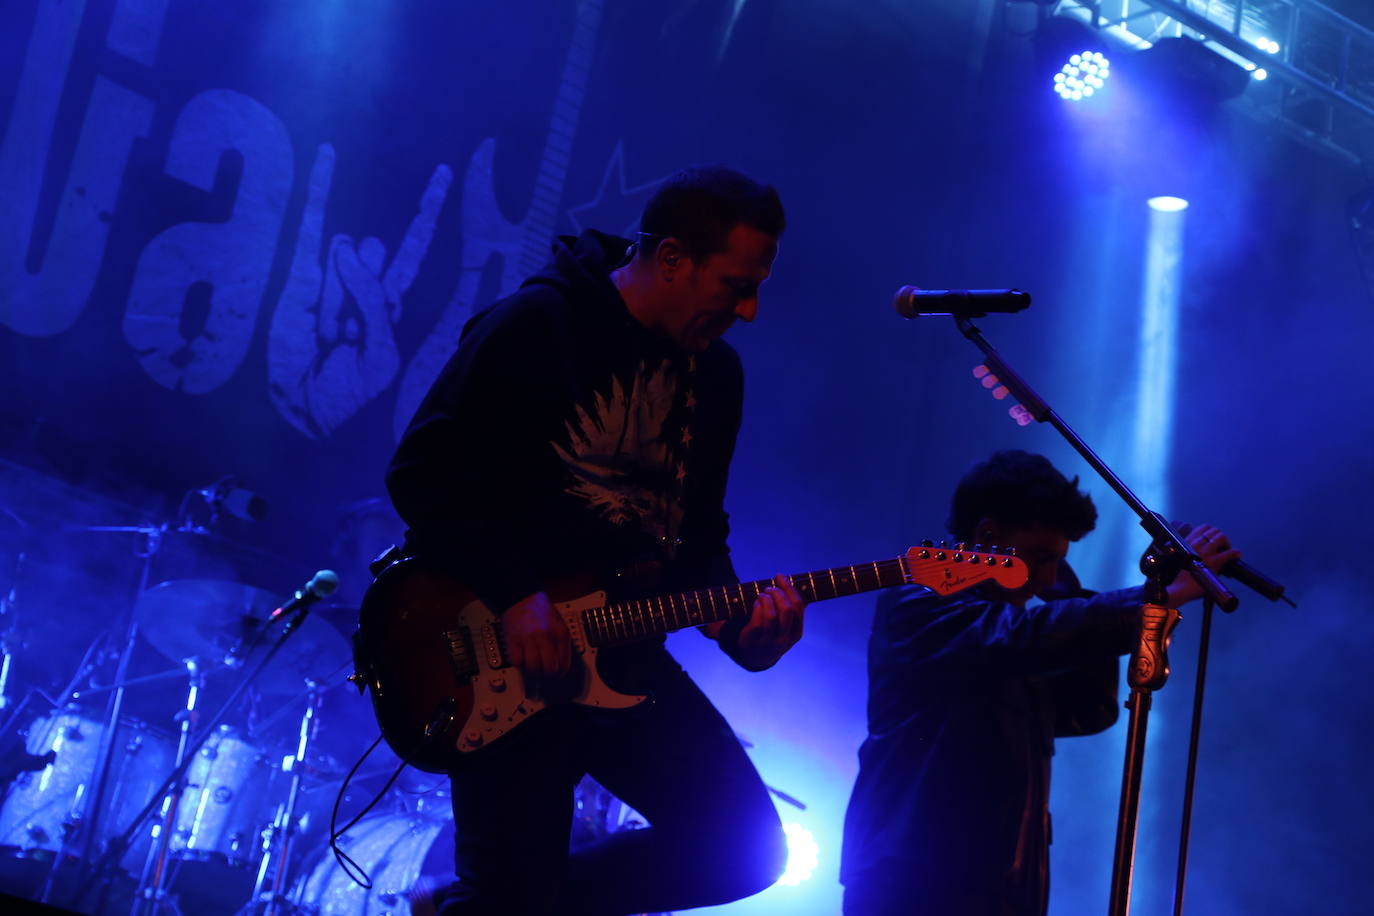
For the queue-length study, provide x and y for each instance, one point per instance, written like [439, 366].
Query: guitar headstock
[946, 570]
[999, 392]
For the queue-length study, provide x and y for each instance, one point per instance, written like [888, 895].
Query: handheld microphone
[914, 302]
[1246, 574]
[321, 585]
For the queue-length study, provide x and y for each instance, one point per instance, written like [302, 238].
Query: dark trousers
[714, 835]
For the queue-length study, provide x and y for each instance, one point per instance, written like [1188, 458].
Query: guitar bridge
[461, 654]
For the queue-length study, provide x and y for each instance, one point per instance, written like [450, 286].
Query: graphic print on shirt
[626, 451]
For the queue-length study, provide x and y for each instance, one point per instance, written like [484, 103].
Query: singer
[950, 813]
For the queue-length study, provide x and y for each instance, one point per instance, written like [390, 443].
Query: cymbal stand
[278, 841]
[88, 826]
[152, 889]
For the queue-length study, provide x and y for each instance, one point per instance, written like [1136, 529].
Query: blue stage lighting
[1082, 76]
[803, 854]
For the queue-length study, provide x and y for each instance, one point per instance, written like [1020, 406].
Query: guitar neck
[631, 620]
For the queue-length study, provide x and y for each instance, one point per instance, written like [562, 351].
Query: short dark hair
[1020, 490]
[700, 205]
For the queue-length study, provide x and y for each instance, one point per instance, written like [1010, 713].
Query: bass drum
[390, 848]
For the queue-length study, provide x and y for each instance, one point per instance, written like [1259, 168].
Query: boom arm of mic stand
[1160, 533]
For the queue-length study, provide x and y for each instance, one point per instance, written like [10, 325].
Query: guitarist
[584, 428]
[950, 813]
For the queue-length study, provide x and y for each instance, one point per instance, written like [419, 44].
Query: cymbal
[200, 618]
[314, 650]
[221, 623]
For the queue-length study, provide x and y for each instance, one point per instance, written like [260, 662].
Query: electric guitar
[434, 658]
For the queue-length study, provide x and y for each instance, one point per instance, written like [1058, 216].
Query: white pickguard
[500, 699]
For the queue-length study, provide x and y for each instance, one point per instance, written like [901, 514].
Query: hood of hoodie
[581, 265]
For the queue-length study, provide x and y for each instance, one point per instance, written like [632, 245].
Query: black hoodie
[565, 438]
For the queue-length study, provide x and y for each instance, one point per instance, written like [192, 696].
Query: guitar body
[438, 674]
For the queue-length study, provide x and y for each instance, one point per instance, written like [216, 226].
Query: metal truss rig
[1319, 64]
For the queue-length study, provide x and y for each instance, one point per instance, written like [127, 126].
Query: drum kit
[224, 805]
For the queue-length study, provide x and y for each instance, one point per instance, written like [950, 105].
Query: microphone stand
[116, 847]
[1147, 665]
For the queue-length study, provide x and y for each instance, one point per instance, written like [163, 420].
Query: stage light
[1191, 72]
[1166, 204]
[1084, 74]
[1073, 57]
[803, 855]
[1260, 73]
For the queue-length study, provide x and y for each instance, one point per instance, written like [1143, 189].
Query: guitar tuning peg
[927, 543]
[978, 548]
[958, 545]
[943, 544]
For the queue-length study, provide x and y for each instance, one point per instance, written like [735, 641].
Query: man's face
[1040, 548]
[704, 299]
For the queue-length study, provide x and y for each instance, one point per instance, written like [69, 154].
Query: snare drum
[44, 808]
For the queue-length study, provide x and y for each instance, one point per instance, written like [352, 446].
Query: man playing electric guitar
[585, 426]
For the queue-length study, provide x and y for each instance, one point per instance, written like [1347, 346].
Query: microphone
[244, 504]
[229, 495]
[914, 302]
[1246, 574]
[321, 585]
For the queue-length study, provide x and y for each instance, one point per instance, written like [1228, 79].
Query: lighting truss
[1314, 67]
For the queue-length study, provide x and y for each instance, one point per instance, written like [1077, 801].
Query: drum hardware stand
[116, 847]
[277, 838]
[155, 893]
[8, 632]
[1169, 550]
[114, 709]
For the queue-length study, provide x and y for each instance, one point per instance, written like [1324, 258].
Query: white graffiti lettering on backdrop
[227, 264]
[197, 288]
[521, 247]
[48, 299]
[331, 349]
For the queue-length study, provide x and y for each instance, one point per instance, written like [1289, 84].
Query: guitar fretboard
[630, 620]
